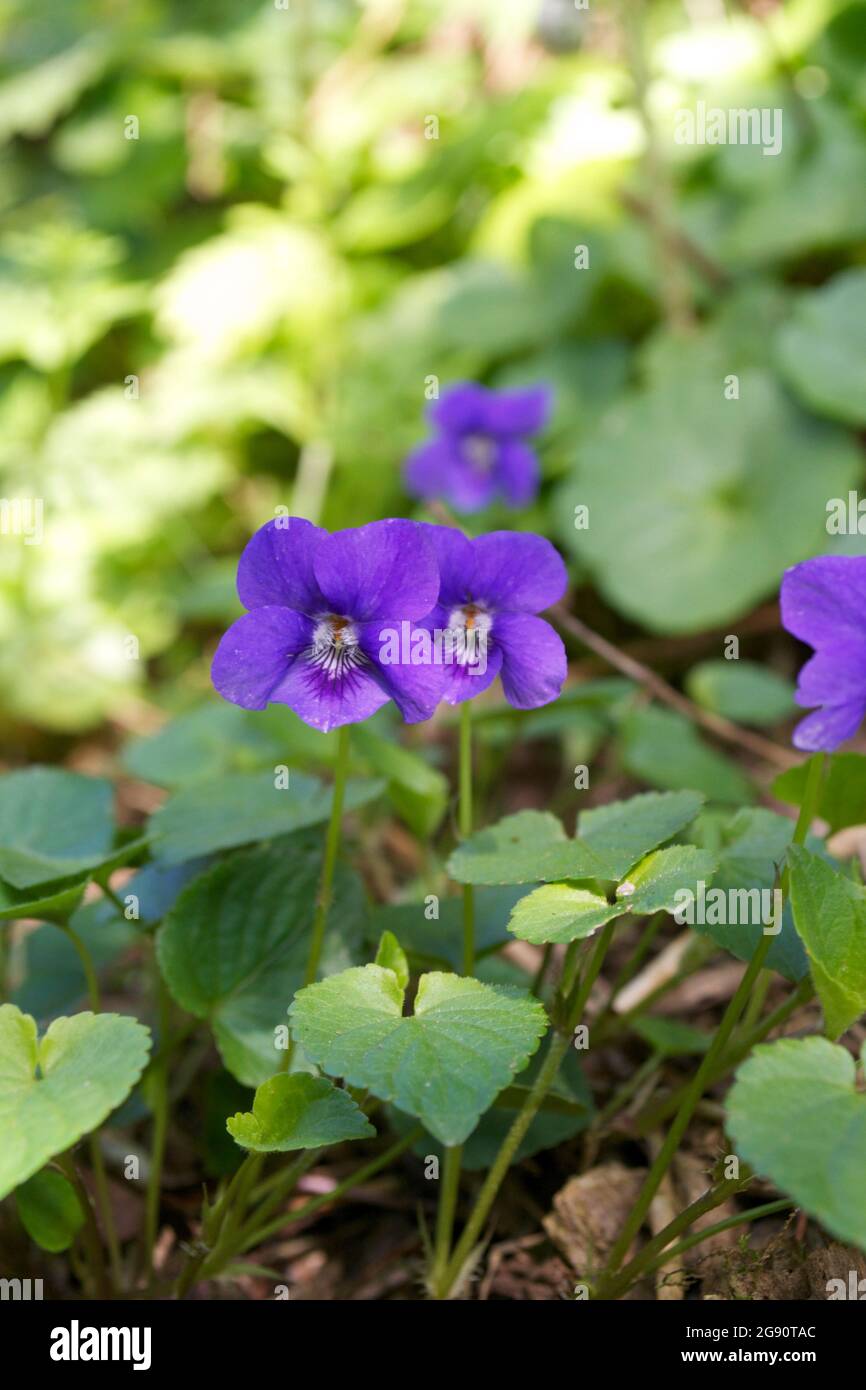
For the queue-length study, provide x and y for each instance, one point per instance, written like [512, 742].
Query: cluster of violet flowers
[337, 625]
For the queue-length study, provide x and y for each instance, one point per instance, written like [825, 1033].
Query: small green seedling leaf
[49, 1209]
[842, 800]
[298, 1112]
[830, 915]
[532, 846]
[55, 1090]
[233, 949]
[445, 1063]
[564, 912]
[391, 956]
[53, 825]
[243, 807]
[796, 1116]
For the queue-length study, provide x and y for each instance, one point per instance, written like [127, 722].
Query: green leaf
[843, 790]
[566, 1111]
[391, 956]
[48, 903]
[211, 741]
[234, 947]
[742, 691]
[532, 846]
[53, 825]
[50, 1211]
[830, 915]
[697, 503]
[822, 350]
[298, 1112]
[750, 849]
[664, 748]
[796, 1117]
[224, 812]
[54, 981]
[445, 1063]
[564, 912]
[55, 1090]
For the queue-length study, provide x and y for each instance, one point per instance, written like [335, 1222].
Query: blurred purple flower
[490, 590]
[480, 452]
[318, 604]
[824, 604]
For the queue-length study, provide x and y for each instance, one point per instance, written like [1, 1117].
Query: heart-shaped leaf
[239, 808]
[532, 846]
[234, 947]
[54, 1090]
[830, 915]
[53, 825]
[444, 1064]
[796, 1116]
[49, 1209]
[563, 912]
[298, 1112]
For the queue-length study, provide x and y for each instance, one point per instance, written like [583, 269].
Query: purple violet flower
[318, 604]
[480, 452]
[490, 590]
[824, 604]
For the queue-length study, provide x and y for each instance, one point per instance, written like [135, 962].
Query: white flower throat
[335, 648]
[468, 629]
[480, 450]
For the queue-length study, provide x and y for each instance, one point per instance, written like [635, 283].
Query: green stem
[465, 827]
[695, 1089]
[251, 1239]
[160, 1102]
[326, 882]
[652, 1118]
[448, 1192]
[648, 1256]
[557, 1048]
[212, 1227]
[97, 1162]
[332, 844]
[706, 1232]
[90, 1230]
[693, 1093]
[86, 965]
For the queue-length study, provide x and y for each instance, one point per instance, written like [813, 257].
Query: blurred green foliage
[239, 239]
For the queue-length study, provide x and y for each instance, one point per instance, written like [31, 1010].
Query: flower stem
[332, 844]
[695, 1089]
[90, 1232]
[160, 1101]
[557, 1048]
[448, 1191]
[326, 881]
[465, 827]
[648, 1258]
[252, 1238]
[97, 1162]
